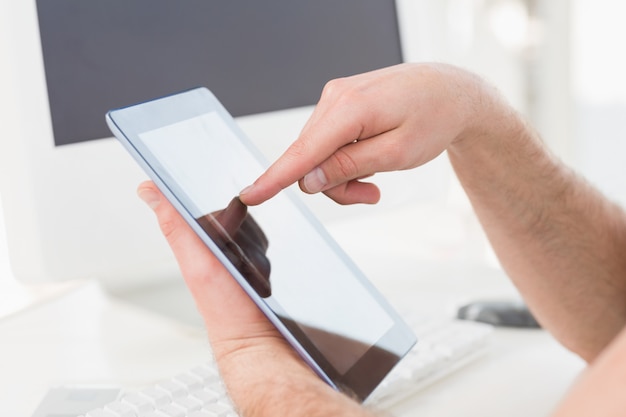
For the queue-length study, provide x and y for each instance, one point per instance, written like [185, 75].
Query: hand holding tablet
[278, 252]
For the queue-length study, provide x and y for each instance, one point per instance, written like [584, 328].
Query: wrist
[488, 117]
[269, 379]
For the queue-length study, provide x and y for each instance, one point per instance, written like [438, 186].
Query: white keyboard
[443, 346]
[198, 392]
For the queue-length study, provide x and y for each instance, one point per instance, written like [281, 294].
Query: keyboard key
[141, 404]
[120, 409]
[189, 381]
[217, 409]
[171, 410]
[173, 389]
[159, 398]
[100, 413]
[206, 396]
[188, 404]
[200, 414]
[207, 373]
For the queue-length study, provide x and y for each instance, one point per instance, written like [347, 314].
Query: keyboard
[443, 346]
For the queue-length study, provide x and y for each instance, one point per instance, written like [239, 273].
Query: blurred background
[557, 61]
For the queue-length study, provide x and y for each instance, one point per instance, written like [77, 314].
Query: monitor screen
[257, 56]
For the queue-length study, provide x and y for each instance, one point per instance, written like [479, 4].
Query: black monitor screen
[256, 56]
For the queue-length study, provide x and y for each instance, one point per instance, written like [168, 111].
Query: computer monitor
[68, 188]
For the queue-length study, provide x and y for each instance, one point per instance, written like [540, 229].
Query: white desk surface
[84, 337]
[77, 334]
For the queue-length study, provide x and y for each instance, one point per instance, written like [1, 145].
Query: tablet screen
[280, 254]
[302, 278]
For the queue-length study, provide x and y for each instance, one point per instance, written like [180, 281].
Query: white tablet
[278, 252]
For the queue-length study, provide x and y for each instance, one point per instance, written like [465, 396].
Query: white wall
[5, 270]
[599, 94]
[465, 33]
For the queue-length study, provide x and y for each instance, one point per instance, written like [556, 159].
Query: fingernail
[151, 198]
[246, 190]
[315, 181]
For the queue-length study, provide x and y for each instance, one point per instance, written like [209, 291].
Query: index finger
[329, 128]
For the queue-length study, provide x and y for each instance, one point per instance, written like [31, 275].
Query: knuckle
[168, 228]
[299, 148]
[333, 88]
[344, 165]
[342, 91]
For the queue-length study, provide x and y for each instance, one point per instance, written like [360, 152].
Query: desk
[84, 337]
[80, 335]
[524, 372]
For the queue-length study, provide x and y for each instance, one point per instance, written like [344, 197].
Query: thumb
[191, 253]
[211, 285]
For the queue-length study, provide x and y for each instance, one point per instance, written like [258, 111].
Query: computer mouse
[499, 313]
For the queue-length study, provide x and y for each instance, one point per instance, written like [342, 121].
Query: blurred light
[598, 66]
[509, 22]
[461, 28]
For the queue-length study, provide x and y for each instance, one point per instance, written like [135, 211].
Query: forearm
[276, 382]
[561, 242]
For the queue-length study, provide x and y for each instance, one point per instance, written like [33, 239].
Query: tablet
[278, 252]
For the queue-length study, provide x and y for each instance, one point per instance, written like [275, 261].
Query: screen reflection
[243, 242]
